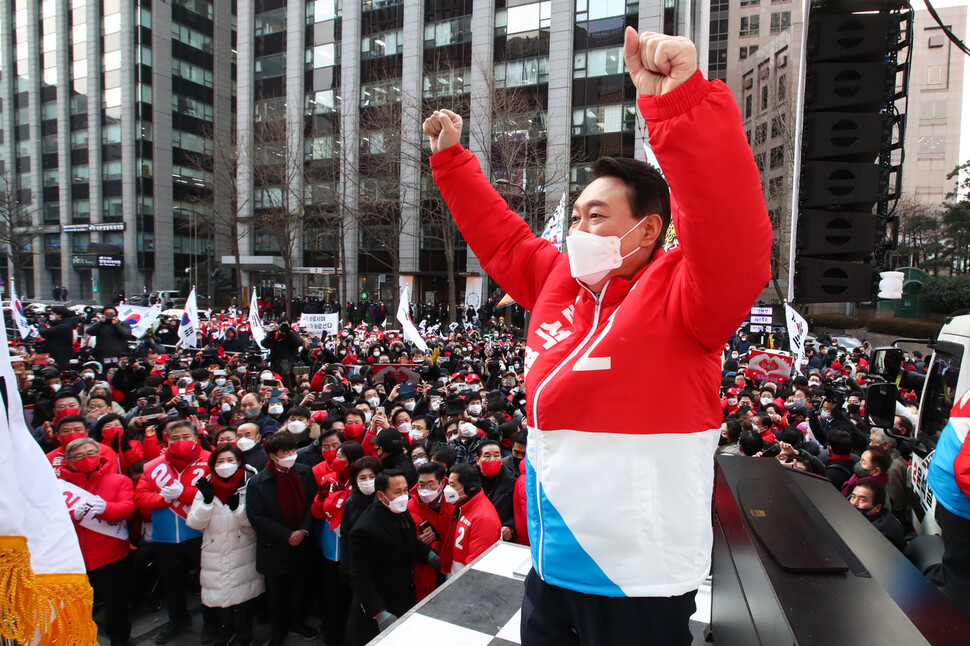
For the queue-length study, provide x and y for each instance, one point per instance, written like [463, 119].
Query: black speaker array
[851, 127]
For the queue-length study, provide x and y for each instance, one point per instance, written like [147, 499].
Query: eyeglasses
[78, 456]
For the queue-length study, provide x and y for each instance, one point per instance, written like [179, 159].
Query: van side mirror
[886, 362]
[881, 405]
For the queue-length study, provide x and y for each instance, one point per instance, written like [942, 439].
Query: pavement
[146, 623]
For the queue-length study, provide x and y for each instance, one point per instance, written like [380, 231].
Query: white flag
[407, 326]
[190, 321]
[141, 319]
[42, 559]
[19, 317]
[797, 331]
[553, 231]
[255, 322]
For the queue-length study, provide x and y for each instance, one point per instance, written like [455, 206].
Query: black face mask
[861, 471]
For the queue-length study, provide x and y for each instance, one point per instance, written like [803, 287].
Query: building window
[935, 41]
[934, 75]
[932, 110]
[598, 62]
[777, 126]
[761, 133]
[777, 157]
[747, 107]
[782, 87]
[764, 97]
[780, 21]
[750, 3]
[749, 50]
[775, 187]
[750, 25]
[759, 161]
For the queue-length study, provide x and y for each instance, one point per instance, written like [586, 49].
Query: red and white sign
[401, 372]
[769, 365]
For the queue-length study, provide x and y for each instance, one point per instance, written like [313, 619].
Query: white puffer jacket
[229, 574]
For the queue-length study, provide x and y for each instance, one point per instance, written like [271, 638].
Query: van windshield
[940, 393]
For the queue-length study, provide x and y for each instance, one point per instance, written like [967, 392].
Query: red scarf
[180, 464]
[225, 488]
[290, 496]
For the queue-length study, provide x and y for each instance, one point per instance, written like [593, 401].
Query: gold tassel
[69, 601]
[20, 605]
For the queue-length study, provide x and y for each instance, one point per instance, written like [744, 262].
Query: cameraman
[284, 346]
[60, 335]
[112, 336]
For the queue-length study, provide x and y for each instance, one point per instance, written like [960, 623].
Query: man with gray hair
[898, 498]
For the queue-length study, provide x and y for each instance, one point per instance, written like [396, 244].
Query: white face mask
[825, 414]
[366, 486]
[55, 387]
[226, 407]
[287, 462]
[475, 388]
[591, 257]
[398, 505]
[450, 494]
[220, 381]
[358, 389]
[428, 496]
[339, 399]
[474, 410]
[732, 401]
[468, 430]
[275, 409]
[373, 401]
[226, 469]
[404, 428]
[420, 461]
[245, 444]
[409, 406]
[296, 427]
[416, 435]
[765, 401]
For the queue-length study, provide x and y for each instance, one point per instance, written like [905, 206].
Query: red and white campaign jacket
[642, 525]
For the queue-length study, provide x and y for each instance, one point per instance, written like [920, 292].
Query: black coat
[112, 338]
[274, 554]
[311, 454]
[499, 489]
[283, 346]
[256, 457]
[60, 340]
[401, 462]
[354, 507]
[383, 550]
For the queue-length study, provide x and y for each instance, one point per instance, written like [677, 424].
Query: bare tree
[16, 230]
[919, 225]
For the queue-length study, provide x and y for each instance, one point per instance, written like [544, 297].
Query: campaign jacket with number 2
[642, 526]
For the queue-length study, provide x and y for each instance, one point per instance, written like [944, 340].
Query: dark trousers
[955, 569]
[336, 602]
[285, 592]
[554, 616]
[109, 583]
[234, 620]
[175, 560]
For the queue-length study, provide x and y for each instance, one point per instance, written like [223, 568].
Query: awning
[255, 263]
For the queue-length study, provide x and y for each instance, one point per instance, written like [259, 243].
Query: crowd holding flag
[407, 325]
[190, 321]
[141, 319]
[45, 597]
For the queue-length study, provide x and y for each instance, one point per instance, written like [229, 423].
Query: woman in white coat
[229, 578]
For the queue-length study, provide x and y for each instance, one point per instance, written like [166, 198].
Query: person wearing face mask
[278, 506]
[383, 550]
[871, 500]
[112, 336]
[110, 431]
[99, 502]
[498, 484]
[327, 509]
[228, 573]
[74, 427]
[428, 506]
[249, 441]
[362, 474]
[729, 405]
[475, 525]
[252, 410]
[298, 424]
[511, 461]
[59, 335]
[623, 277]
[873, 466]
[469, 439]
[167, 490]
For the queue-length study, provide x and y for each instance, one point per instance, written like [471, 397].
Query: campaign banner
[75, 496]
[769, 365]
[401, 372]
[321, 323]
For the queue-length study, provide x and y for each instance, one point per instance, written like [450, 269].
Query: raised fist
[658, 63]
[443, 127]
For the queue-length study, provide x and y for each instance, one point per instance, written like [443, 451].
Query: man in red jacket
[475, 525]
[428, 506]
[599, 314]
[167, 490]
[99, 502]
